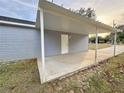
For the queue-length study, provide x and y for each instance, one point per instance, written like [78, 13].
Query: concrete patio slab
[61, 65]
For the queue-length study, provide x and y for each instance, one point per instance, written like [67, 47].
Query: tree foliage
[100, 39]
[120, 37]
[89, 12]
[109, 38]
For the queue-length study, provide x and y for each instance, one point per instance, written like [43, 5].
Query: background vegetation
[109, 38]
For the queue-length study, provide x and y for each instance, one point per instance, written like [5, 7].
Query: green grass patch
[19, 77]
[100, 46]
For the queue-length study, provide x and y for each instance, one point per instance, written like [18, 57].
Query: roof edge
[16, 22]
[10, 19]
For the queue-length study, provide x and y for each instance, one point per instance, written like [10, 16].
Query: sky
[21, 9]
[106, 10]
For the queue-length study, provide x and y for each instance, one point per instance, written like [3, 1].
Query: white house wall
[24, 43]
[18, 43]
[52, 43]
[77, 43]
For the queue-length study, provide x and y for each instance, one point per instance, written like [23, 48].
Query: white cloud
[7, 12]
[29, 3]
[106, 10]
[23, 9]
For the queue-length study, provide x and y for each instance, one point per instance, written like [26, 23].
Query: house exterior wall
[52, 43]
[77, 43]
[24, 43]
[18, 43]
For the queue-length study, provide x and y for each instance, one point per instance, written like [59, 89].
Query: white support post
[115, 38]
[96, 49]
[41, 59]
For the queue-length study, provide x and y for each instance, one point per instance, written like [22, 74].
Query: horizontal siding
[24, 43]
[77, 43]
[18, 43]
[52, 43]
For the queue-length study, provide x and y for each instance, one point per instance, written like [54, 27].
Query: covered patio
[55, 18]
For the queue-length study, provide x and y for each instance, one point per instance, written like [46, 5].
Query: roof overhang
[57, 18]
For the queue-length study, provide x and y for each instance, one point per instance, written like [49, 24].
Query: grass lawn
[100, 46]
[23, 78]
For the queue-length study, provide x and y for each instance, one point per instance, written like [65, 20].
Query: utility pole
[96, 49]
[115, 37]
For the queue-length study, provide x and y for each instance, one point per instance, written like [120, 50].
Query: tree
[121, 27]
[120, 35]
[108, 39]
[90, 13]
[82, 11]
[92, 39]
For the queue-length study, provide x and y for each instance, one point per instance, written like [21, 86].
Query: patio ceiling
[57, 18]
